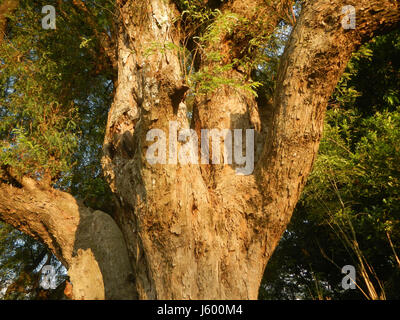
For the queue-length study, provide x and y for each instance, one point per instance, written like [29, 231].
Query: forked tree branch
[315, 58]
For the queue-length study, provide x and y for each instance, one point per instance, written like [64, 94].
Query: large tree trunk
[196, 231]
[202, 231]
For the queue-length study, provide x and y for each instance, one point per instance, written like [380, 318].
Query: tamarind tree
[89, 92]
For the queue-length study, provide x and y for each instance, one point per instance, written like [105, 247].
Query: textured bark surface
[196, 231]
[88, 242]
[314, 59]
[201, 231]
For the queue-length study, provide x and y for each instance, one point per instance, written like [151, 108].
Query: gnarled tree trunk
[202, 231]
[196, 231]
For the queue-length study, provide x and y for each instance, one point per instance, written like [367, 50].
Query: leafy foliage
[54, 97]
[55, 92]
[349, 212]
[208, 33]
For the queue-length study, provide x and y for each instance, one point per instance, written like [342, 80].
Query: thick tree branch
[88, 243]
[314, 60]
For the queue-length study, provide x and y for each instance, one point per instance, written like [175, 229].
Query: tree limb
[87, 242]
[47, 215]
[314, 60]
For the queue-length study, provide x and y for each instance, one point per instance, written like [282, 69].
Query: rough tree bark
[87, 242]
[201, 231]
[196, 231]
